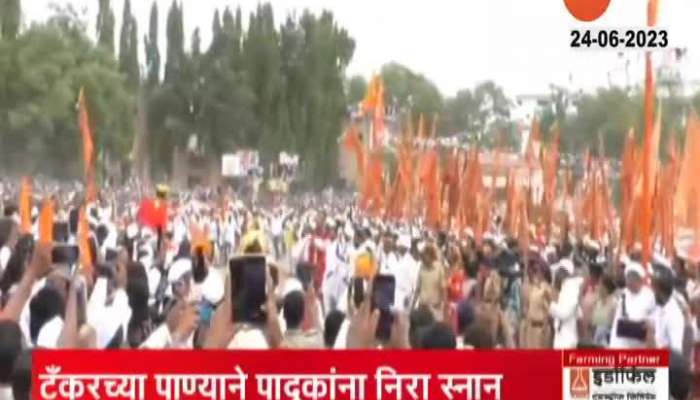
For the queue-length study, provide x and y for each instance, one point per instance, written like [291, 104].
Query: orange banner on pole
[46, 217]
[88, 148]
[25, 205]
[687, 199]
[353, 144]
[651, 143]
[84, 241]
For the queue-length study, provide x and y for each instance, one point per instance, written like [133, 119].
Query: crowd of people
[169, 286]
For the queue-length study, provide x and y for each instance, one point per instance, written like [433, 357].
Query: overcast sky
[522, 45]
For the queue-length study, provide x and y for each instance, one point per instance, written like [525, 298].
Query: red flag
[153, 213]
[88, 148]
[25, 205]
[46, 217]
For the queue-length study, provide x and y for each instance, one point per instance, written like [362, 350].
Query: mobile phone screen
[248, 292]
[60, 232]
[383, 300]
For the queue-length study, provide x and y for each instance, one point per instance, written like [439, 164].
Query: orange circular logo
[587, 10]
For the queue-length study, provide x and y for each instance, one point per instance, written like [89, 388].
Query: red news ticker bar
[616, 358]
[524, 374]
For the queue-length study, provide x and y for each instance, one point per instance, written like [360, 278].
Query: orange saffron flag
[84, 241]
[373, 184]
[370, 101]
[88, 147]
[430, 178]
[25, 205]
[687, 205]
[650, 148]
[46, 221]
[652, 12]
[628, 181]
[378, 130]
[353, 144]
[649, 172]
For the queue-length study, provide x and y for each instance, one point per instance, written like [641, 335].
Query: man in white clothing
[406, 274]
[636, 305]
[564, 310]
[7, 243]
[337, 274]
[669, 320]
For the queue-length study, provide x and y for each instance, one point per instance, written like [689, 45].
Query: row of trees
[259, 84]
[263, 87]
[42, 69]
[484, 114]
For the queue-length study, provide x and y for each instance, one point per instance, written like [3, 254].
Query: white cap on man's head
[404, 241]
[566, 265]
[636, 268]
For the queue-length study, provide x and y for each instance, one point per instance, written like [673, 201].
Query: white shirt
[6, 392]
[406, 274]
[179, 230]
[565, 312]
[669, 325]
[640, 307]
[276, 226]
[388, 263]
[5, 254]
[230, 232]
[105, 318]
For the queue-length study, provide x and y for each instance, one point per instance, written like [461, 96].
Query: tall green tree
[262, 63]
[315, 52]
[226, 114]
[411, 91]
[152, 50]
[105, 26]
[128, 47]
[41, 73]
[356, 89]
[10, 17]
[176, 43]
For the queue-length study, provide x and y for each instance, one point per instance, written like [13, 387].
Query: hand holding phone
[248, 287]
[383, 290]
